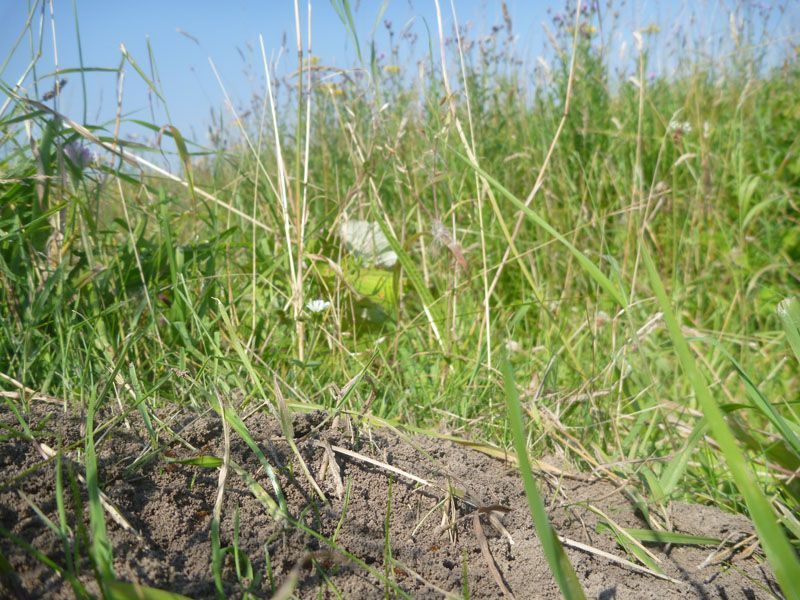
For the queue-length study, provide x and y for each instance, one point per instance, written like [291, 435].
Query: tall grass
[184, 285]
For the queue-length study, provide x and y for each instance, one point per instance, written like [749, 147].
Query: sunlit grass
[519, 228]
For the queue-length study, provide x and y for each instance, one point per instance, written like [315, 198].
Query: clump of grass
[520, 216]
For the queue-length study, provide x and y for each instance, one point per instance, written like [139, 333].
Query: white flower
[637, 37]
[318, 305]
[706, 129]
[366, 240]
[679, 126]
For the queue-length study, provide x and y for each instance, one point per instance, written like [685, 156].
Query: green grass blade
[136, 591]
[42, 558]
[141, 73]
[789, 313]
[779, 551]
[432, 310]
[553, 550]
[345, 13]
[669, 537]
[101, 550]
[630, 546]
[766, 408]
[239, 427]
[204, 461]
[592, 269]
[675, 468]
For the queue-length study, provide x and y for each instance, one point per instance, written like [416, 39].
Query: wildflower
[366, 240]
[678, 129]
[318, 305]
[79, 155]
[682, 127]
[652, 28]
[706, 129]
[391, 69]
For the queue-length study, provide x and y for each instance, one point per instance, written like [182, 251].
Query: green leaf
[592, 269]
[780, 553]
[669, 537]
[635, 550]
[674, 470]
[207, 462]
[429, 306]
[376, 284]
[100, 545]
[135, 591]
[343, 10]
[789, 313]
[553, 550]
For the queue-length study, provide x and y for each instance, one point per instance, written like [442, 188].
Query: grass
[556, 557]
[631, 244]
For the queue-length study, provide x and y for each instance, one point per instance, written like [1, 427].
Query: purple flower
[79, 155]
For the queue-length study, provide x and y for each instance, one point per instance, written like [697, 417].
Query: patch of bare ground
[417, 539]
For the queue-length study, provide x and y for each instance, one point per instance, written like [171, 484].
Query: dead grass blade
[288, 433]
[382, 465]
[138, 161]
[406, 569]
[721, 555]
[36, 397]
[486, 552]
[48, 454]
[217, 555]
[616, 559]
[336, 473]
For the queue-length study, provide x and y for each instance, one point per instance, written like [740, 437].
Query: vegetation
[630, 244]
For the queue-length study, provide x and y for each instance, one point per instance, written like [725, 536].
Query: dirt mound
[390, 524]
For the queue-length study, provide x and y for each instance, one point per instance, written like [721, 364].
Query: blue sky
[224, 29]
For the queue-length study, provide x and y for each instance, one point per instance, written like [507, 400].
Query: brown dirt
[171, 506]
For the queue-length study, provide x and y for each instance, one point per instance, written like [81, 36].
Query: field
[460, 326]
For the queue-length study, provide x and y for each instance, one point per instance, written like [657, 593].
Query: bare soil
[391, 524]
